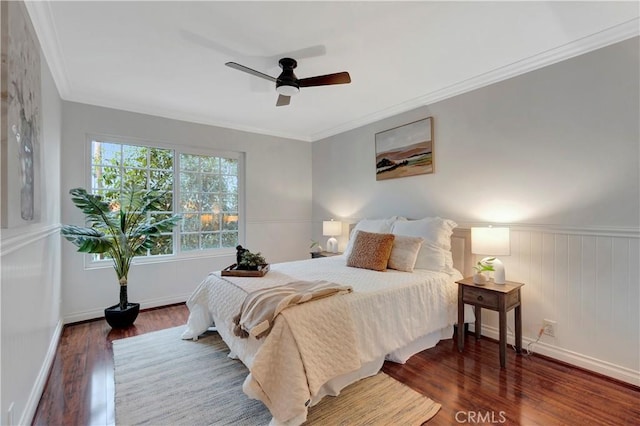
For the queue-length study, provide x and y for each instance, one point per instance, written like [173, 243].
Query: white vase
[479, 279]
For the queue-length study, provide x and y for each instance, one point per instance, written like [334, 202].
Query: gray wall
[278, 205]
[555, 155]
[30, 275]
[555, 146]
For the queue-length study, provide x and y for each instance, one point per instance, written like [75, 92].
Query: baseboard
[605, 368]
[38, 387]
[144, 304]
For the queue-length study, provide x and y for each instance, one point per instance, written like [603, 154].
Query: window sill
[195, 255]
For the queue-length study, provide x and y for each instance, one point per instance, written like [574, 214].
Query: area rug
[163, 380]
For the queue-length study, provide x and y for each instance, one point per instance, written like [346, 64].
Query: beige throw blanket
[261, 307]
[309, 345]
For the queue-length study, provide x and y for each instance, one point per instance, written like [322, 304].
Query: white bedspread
[388, 310]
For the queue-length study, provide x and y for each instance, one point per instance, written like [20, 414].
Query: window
[208, 202]
[206, 188]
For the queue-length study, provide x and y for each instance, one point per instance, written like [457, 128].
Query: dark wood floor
[471, 387]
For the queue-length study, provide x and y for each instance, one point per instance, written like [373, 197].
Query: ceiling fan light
[287, 90]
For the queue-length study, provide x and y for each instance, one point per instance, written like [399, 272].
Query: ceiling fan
[287, 84]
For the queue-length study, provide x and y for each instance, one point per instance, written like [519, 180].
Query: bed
[316, 349]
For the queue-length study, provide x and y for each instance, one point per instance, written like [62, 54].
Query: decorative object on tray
[247, 264]
[121, 229]
[405, 150]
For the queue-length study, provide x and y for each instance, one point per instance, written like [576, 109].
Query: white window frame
[178, 255]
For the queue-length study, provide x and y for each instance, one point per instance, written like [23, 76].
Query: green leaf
[88, 240]
[125, 232]
[97, 211]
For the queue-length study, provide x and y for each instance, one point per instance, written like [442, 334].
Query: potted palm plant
[120, 229]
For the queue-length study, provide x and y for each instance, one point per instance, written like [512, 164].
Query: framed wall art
[21, 118]
[405, 150]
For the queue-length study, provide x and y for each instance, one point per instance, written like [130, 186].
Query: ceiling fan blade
[283, 100]
[248, 70]
[325, 80]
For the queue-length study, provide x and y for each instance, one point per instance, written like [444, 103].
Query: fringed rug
[163, 380]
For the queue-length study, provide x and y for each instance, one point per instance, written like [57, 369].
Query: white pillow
[380, 226]
[431, 257]
[433, 229]
[435, 252]
[404, 252]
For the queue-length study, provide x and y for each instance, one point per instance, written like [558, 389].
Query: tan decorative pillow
[371, 250]
[404, 252]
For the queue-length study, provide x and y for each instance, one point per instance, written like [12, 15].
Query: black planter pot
[122, 319]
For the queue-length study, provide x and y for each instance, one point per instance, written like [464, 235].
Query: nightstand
[317, 254]
[496, 297]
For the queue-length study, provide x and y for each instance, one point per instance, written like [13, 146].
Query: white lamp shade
[490, 241]
[331, 228]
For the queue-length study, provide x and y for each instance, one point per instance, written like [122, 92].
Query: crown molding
[187, 117]
[606, 37]
[42, 20]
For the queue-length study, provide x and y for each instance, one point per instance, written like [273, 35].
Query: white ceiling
[167, 58]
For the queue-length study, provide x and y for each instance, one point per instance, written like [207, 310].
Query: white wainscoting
[588, 281]
[31, 321]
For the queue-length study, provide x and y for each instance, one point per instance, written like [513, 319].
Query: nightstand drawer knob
[480, 298]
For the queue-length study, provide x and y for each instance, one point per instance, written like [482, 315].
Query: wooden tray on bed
[231, 271]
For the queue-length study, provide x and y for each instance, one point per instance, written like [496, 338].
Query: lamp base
[498, 271]
[332, 245]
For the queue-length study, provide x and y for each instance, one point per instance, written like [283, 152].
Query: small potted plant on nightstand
[315, 249]
[485, 265]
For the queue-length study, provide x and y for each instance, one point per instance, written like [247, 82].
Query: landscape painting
[405, 150]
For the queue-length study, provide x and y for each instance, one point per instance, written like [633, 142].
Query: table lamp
[492, 242]
[331, 228]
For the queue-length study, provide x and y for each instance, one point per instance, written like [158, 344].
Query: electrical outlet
[549, 327]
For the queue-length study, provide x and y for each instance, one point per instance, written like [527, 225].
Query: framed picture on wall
[20, 117]
[405, 150]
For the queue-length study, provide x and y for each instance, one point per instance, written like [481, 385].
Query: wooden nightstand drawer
[486, 299]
